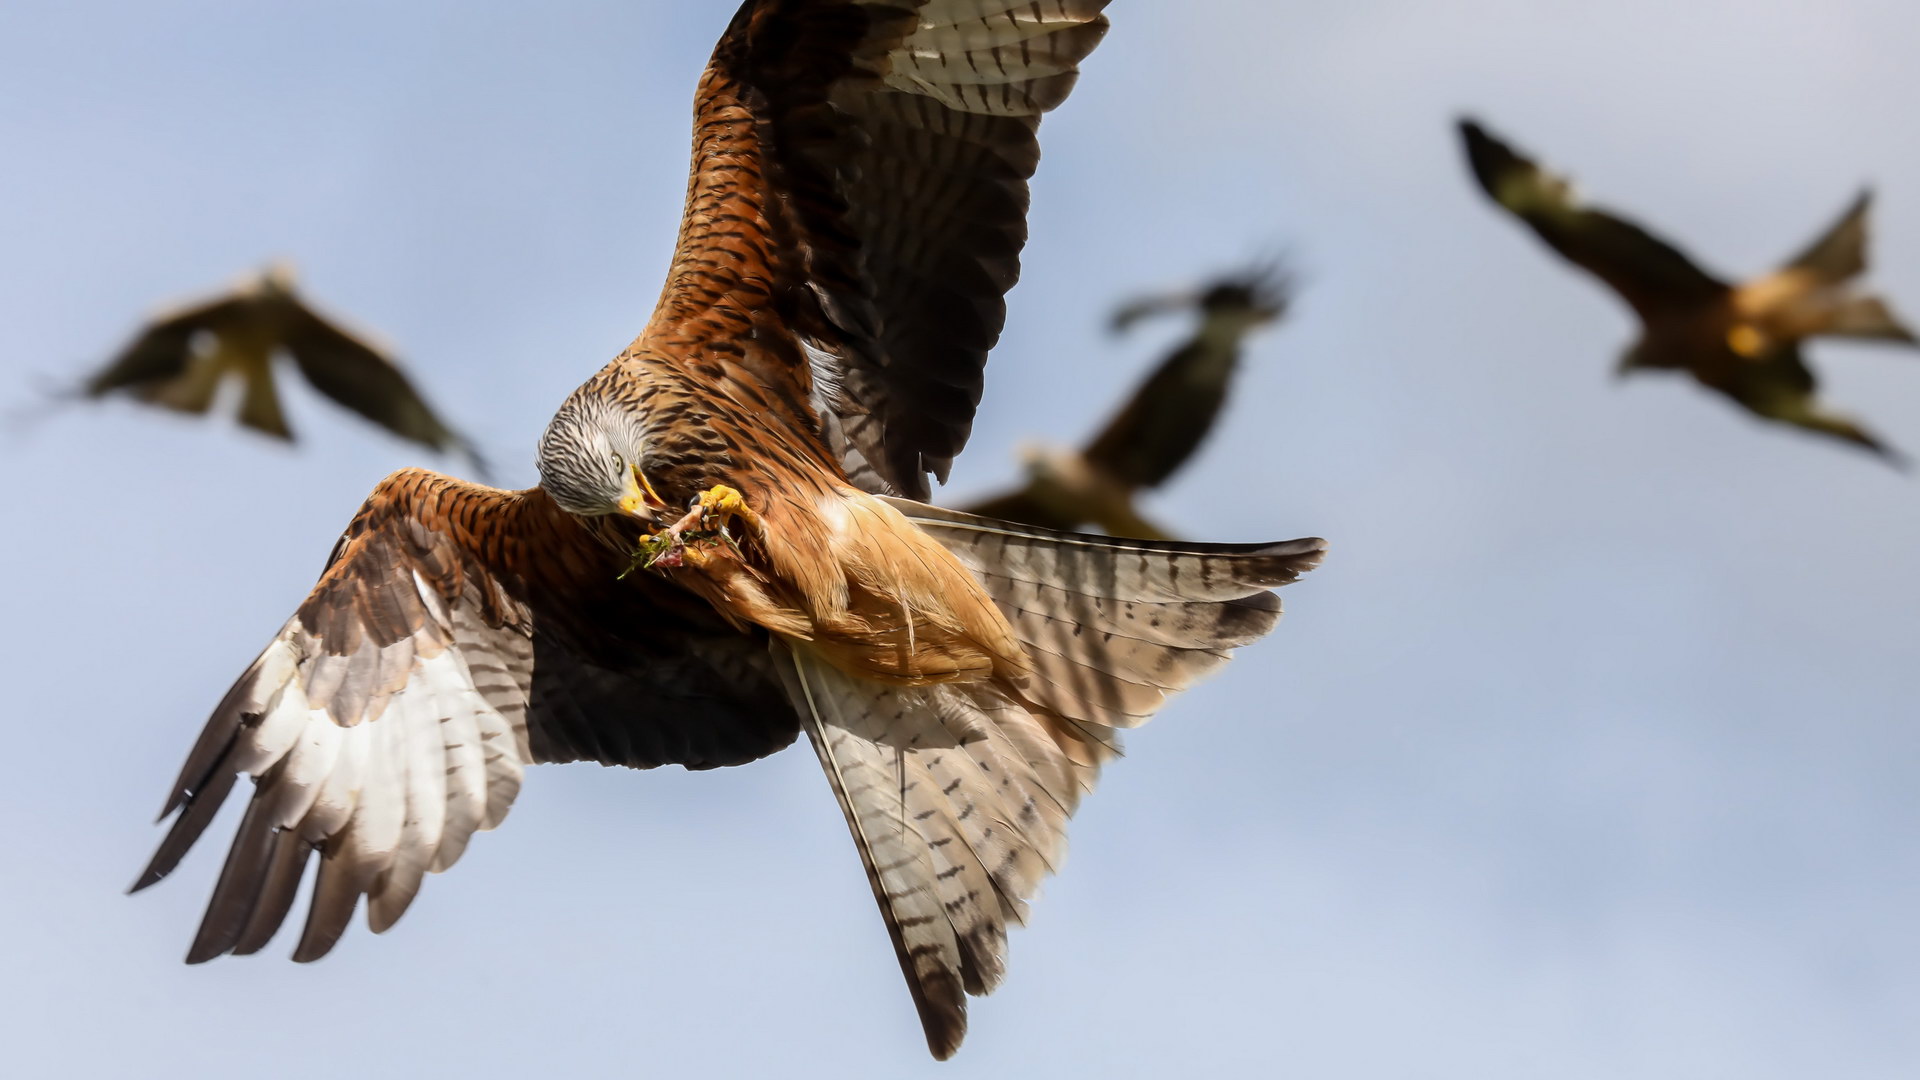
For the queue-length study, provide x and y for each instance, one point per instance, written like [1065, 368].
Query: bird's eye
[619, 462]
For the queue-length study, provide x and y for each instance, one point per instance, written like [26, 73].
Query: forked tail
[1869, 318]
[958, 793]
[1839, 256]
[1841, 252]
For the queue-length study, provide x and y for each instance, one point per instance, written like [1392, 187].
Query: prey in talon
[704, 527]
[713, 510]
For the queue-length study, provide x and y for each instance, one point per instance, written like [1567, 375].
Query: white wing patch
[385, 796]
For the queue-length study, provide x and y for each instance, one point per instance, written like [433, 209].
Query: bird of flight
[1160, 427]
[1743, 340]
[855, 215]
[182, 358]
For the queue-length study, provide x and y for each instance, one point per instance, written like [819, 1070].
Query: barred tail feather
[1114, 626]
[957, 794]
[1869, 318]
[867, 776]
[1841, 252]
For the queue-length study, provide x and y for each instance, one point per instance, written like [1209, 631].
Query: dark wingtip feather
[1886, 452]
[288, 865]
[237, 892]
[216, 741]
[200, 807]
[1491, 160]
[336, 892]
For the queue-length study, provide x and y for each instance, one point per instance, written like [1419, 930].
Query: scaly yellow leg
[714, 509]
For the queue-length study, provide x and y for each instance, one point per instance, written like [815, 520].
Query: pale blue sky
[1591, 752]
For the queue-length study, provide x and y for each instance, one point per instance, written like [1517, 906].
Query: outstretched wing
[1780, 386]
[958, 795]
[459, 634]
[1169, 416]
[159, 353]
[1651, 275]
[860, 171]
[1174, 411]
[363, 378]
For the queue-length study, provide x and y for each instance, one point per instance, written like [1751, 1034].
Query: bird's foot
[714, 510]
[725, 503]
[706, 524]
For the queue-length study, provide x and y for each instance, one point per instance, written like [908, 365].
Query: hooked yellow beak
[640, 499]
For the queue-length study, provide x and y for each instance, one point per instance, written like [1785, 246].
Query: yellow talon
[725, 504]
[723, 500]
[718, 501]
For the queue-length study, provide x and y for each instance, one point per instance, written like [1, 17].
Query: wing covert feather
[458, 635]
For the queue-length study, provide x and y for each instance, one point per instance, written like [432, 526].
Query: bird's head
[1253, 298]
[590, 460]
[275, 279]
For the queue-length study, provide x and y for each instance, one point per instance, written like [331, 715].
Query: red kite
[182, 358]
[1743, 340]
[855, 214]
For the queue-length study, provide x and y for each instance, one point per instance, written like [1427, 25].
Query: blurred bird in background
[1741, 340]
[182, 358]
[1162, 425]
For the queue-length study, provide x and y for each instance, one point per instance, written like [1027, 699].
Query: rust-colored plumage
[1160, 427]
[1742, 341]
[854, 217]
[182, 358]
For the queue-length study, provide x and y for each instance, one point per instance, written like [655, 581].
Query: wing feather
[395, 713]
[158, 355]
[861, 168]
[1652, 275]
[1173, 411]
[364, 378]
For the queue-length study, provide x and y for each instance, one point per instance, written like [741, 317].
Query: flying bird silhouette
[182, 358]
[1161, 426]
[855, 215]
[1744, 340]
